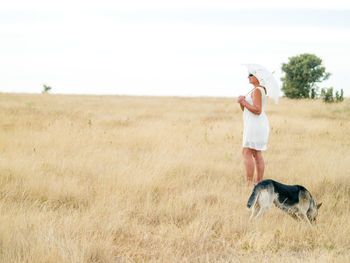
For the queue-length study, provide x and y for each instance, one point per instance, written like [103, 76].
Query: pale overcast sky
[175, 48]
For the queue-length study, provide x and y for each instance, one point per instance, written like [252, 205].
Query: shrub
[327, 95]
[46, 89]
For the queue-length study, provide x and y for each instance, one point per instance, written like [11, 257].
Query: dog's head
[312, 213]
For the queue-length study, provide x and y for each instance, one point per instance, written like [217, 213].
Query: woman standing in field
[256, 130]
[256, 124]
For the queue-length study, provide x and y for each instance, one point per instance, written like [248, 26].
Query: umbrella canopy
[266, 79]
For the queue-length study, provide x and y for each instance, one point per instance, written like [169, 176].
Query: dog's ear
[319, 205]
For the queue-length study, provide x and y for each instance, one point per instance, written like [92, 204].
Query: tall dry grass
[148, 179]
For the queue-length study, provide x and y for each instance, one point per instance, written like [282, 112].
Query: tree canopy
[301, 74]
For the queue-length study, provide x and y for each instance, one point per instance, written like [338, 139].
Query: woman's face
[252, 79]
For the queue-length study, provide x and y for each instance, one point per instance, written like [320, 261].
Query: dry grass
[142, 179]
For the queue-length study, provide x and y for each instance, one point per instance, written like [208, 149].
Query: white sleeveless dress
[256, 127]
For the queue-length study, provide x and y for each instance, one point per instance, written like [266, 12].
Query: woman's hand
[240, 99]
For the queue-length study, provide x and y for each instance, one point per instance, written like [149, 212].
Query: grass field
[161, 179]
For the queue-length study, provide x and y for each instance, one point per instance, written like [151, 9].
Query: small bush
[46, 89]
[339, 97]
[327, 95]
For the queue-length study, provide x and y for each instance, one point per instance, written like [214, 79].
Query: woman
[256, 130]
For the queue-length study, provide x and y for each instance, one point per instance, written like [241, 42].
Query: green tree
[301, 74]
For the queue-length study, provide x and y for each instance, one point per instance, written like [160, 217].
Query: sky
[165, 48]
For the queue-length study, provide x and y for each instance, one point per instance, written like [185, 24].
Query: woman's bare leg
[249, 164]
[260, 165]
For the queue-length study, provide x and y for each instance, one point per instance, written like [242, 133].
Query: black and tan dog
[296, 200]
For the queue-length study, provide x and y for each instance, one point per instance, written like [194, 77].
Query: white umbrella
[266, 79]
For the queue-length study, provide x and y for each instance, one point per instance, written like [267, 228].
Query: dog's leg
[303, 216]
[294, 216]
[262, 211]
[255, 211]
[265, 202]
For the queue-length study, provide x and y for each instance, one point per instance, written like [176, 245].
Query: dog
[296, 200]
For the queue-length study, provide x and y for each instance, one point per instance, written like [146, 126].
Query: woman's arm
[242, 107]
[256, 108]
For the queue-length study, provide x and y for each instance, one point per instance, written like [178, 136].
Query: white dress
[256, 127]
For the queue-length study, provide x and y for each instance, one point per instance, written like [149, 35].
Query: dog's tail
[253, 197]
